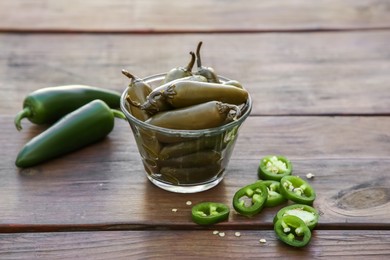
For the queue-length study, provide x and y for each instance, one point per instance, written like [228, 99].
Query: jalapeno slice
[308, 214]
[297, 190]
[292, 231]
[274, 167]
[251, 199]
[207, 213]
[274, 197]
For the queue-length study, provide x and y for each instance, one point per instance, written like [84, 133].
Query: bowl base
[186, 189]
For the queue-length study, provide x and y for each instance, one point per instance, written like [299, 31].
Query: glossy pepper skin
[187, 93]
[86, 125]
[306, 213]
[257, 195]
[207, 72]
[202, 116]
[47, 105]
[180, 72]
[297, 190]
[137, 94]
[157, 103]
[292, 231]
[208, 213]
[274, 167]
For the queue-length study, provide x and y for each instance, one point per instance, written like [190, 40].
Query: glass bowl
[184, 161]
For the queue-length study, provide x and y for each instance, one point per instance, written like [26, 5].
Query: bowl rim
[181, 132]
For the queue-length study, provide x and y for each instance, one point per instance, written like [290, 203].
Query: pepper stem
[118, 114]
[191, 63]
[26, 112]
[128, 74]
[198, 60]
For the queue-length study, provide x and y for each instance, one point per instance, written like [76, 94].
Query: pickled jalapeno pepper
[202, 116]
[137, 94]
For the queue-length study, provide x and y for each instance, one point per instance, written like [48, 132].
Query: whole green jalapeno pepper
[187, 93]
[202, 116]
[85, 125]
[274, 167]
[47, 105]
[208, 213]
[137, 94]
[251, 199]
[180, 72]
[308, 214]
[292, 231]
[207, 72]
[297, 190]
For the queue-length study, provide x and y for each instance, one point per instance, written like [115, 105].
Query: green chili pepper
[202, 116]
[136, 95]
[86, 125]
[297, 190]
[274, 196]
[47, 105]
[308, 214]
[251, 199]
[274, 167]
[208, 213]
[180, 72]
[292, 231]
[207, 72]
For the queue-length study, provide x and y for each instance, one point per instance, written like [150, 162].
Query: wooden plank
[348, 244]
[202, 15]
[285, 73]
[104, 186]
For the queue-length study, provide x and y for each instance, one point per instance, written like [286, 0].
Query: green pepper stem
[26, 112]
[118, 114]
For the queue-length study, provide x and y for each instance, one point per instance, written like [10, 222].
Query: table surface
[319, 76]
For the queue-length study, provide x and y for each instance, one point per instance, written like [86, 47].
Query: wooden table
[319, 75]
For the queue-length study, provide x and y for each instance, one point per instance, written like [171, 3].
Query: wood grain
[104, 186]
[286, 74]
[192, 245]
[196, 16]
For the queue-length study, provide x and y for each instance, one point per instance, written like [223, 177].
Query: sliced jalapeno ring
[292, 231]
[274, 196]
[308, 214]
[274, 167]
[208, 213]
[297, 190]
[251, 199]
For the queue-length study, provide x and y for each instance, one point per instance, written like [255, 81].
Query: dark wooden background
[319, 75]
